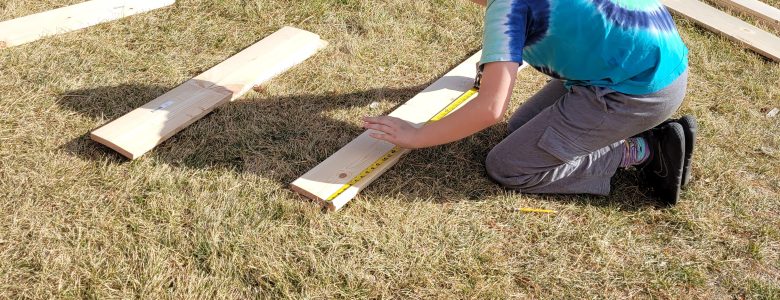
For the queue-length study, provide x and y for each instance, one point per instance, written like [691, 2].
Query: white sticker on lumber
[735, 29]
[33, 27]
[329, 176]
[142, 129]
[765, 13]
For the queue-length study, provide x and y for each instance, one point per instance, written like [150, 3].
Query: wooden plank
[142, 129]
[330, 175]
[733, 28]
[765, 13]
[65, 19]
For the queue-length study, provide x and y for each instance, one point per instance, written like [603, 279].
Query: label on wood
[733, 28]
[142, 129]
[33, 27]
[329, 176]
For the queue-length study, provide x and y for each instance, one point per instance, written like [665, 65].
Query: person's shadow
[280, 138]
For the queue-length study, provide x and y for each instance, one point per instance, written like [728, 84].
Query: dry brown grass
[208, 214]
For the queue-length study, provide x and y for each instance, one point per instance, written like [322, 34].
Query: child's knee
[506, 174]
[513, 125]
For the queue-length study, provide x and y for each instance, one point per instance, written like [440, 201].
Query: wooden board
[142, 129]
[765, 13]
[330, 175]
[33, 27]
[735, 29]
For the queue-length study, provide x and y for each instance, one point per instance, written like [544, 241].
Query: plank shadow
[279, 138]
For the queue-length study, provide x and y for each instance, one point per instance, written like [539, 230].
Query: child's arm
[486, 109]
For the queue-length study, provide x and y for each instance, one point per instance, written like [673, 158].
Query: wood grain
[142, 129]
[66, 19]
[731, 27]
[765, 13]
[329, 176]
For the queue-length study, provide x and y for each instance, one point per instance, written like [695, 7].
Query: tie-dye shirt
[630, 46]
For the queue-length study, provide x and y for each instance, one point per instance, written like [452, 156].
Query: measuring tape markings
[395, 150]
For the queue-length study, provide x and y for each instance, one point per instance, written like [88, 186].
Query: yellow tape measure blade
[393, 152]
[453, 105]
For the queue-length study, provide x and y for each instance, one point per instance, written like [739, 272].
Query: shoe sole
[690, 128]
[668, 143]
[670, 195]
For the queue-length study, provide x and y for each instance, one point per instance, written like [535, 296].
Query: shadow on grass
[282, 137]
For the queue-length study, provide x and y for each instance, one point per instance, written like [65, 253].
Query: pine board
[65, 19]
[733, 28]
[338, 169]
[766, 13]
[142, 129]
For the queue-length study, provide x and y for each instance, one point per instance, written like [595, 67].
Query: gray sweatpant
[571, 141]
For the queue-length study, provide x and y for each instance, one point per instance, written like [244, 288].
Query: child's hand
[393, 130]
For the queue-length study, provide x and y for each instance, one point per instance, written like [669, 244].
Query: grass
[208, 214]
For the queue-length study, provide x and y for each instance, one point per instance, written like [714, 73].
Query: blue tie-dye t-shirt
[630, 46]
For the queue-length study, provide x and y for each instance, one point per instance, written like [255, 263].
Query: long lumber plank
[65, 19]
[142, 129]
[764, 12]
[338, 169]
[733, 28]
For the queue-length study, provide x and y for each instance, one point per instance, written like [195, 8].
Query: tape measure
[393, 152]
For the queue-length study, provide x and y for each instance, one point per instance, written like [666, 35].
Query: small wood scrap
[773, 113]
[768, 151]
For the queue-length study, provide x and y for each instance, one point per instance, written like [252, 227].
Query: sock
[636, 151]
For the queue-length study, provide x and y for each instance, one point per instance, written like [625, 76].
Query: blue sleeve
[505, 31]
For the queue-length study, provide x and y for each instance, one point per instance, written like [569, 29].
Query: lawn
[208, 213]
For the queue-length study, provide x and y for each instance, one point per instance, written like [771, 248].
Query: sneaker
[663, 169]
[690, 127]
